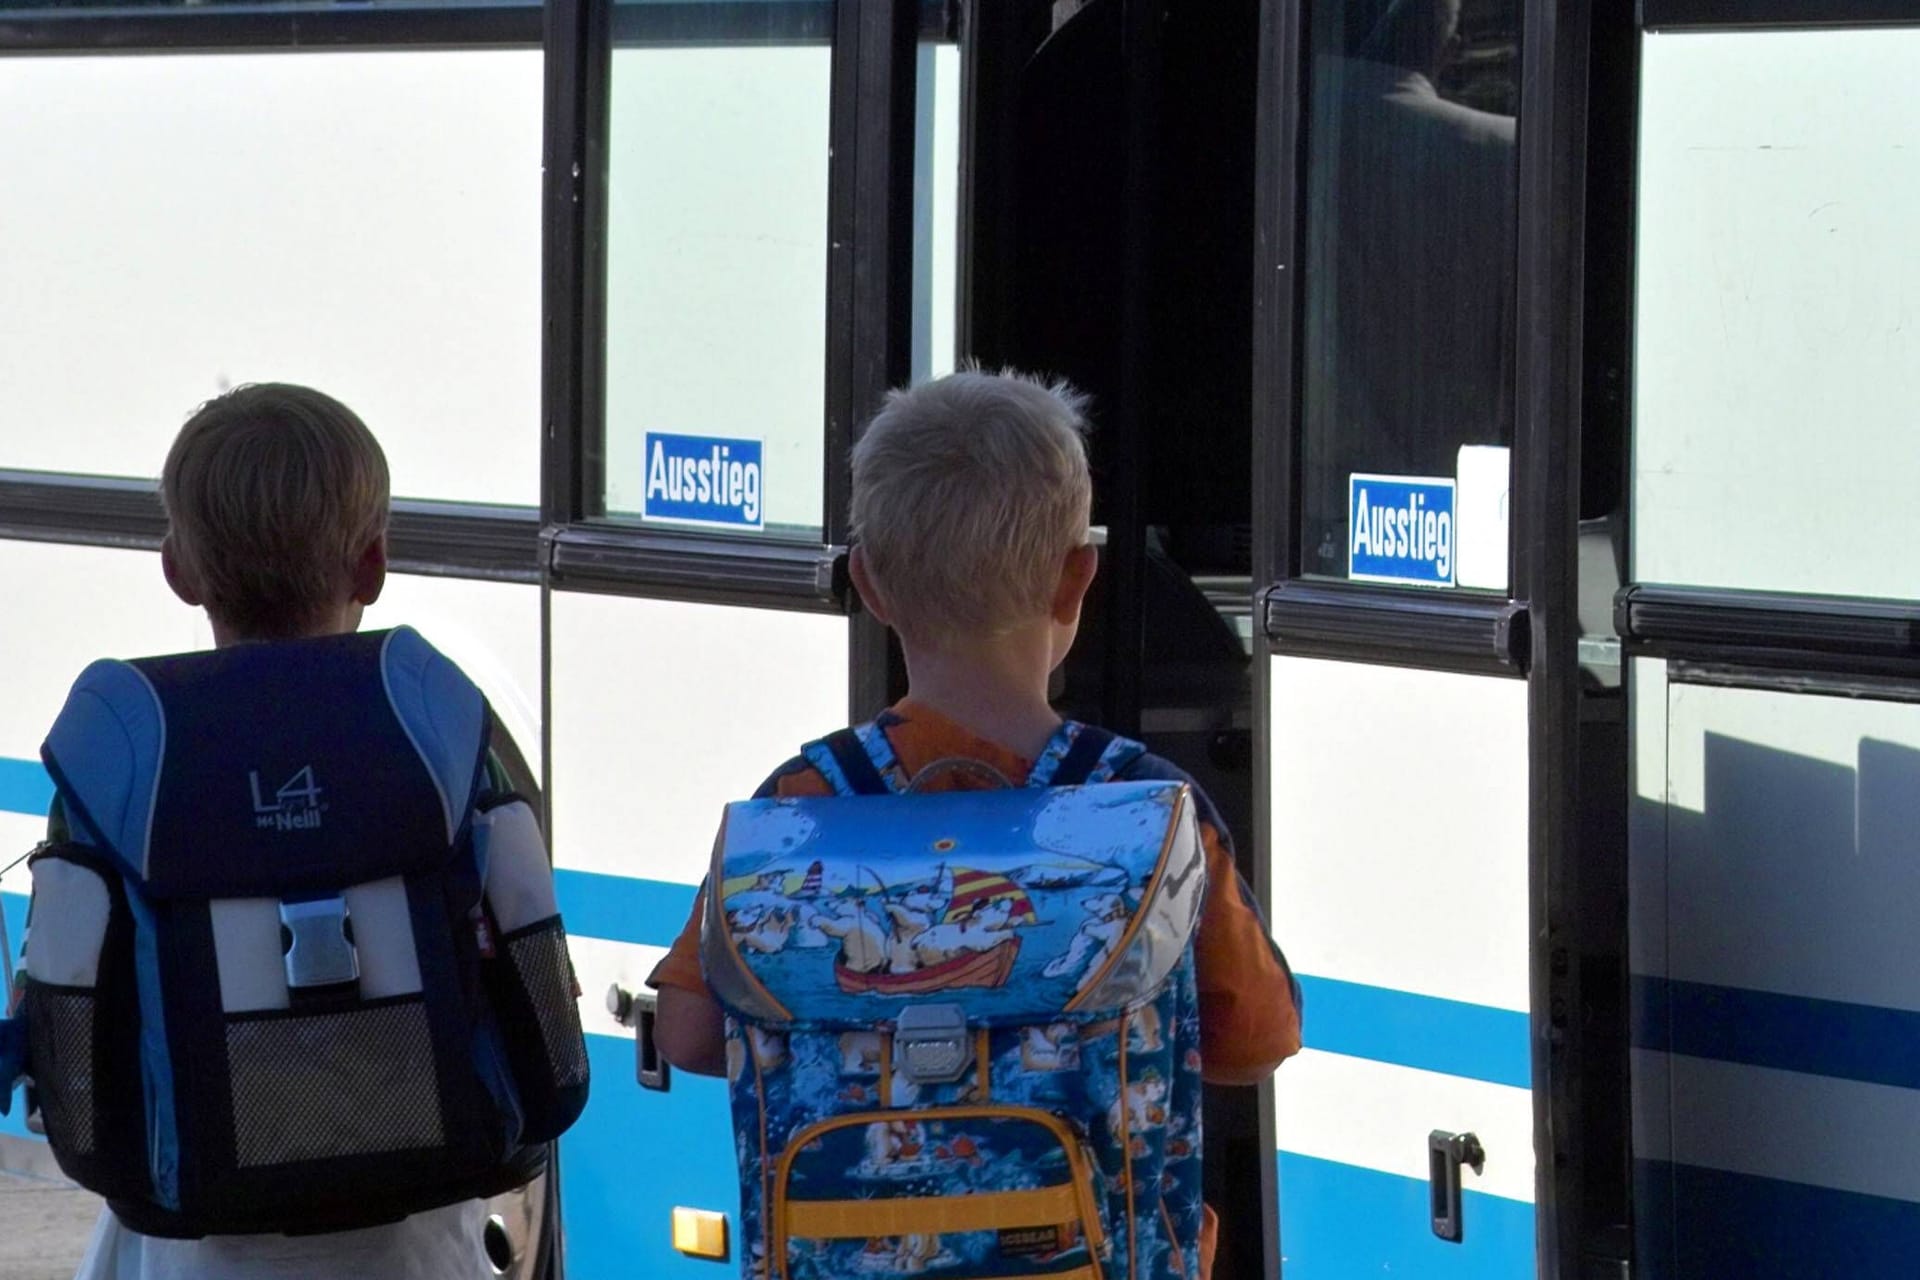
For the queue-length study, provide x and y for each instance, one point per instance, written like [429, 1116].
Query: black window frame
[1474, 632]
[488, 542]
[869, 279]
[867, 305]
[1531, 631]
[1764, 635]
[1781, 641]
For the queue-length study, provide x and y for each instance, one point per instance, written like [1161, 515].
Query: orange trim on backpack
[1078, 1169]
[1173, 1240]
[1125, 944]
[931, 1215]
[717, 916]
[1126, 1148]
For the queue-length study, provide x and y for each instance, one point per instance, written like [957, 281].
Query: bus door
[1770, 629]
[732, 282]
[1091, 127]
[1404, 487]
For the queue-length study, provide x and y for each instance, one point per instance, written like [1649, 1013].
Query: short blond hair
[968, 492]
[273, 492]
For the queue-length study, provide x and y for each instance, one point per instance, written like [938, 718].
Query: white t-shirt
[441, 1244]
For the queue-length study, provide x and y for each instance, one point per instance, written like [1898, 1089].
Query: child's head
[276, 499]
[970, 504]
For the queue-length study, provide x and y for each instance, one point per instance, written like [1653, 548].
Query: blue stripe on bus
[1707, 1222]
[14, 905]
[633, 1155]
[24, 787]
[1448, 1036]
[1834, 1038]
[622, 908]
[1339, 1221]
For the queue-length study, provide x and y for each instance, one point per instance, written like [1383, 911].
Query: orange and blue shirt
[1248, 1008]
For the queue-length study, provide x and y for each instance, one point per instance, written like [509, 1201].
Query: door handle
[1446, 1152]
[637, 1009]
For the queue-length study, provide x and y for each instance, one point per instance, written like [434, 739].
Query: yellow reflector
[700, 1233]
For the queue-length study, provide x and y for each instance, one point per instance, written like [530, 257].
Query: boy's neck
[339, 622]
[996, 689]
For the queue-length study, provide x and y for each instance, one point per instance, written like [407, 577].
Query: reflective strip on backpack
[879, 749]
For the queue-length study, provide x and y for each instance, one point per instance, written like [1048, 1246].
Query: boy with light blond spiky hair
[970, 506]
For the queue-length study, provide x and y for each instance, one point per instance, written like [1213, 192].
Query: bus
[1501, 436]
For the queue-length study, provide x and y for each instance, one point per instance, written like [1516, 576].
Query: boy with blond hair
[970, 507]
[277, 505]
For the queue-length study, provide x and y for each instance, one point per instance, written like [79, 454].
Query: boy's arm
[1249, 1008]
[689, 1029]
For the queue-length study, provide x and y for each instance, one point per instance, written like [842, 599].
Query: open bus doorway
[1107, 223]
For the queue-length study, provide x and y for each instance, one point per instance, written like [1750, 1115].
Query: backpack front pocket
[982, 1191]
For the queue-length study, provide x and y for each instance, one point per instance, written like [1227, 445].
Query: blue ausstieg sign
[703, 480]
[1400, 529]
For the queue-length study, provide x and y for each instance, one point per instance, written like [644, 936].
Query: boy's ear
[1076, 576]
[863, 583]
[179, 579]
[370, 572]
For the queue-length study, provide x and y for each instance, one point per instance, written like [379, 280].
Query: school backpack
[962, 1030]
[296, 968]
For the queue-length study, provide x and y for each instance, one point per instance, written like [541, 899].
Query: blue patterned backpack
[962, 1033]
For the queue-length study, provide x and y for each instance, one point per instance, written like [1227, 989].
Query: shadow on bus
[1773, 1007]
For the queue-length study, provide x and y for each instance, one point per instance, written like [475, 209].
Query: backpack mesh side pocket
[82, 1021]
[534, 994]
[60, 1033]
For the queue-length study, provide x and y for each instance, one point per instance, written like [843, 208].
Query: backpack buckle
[316, 941]
[931, 1044]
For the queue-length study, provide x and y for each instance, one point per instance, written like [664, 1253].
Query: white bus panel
[1399, 856]
[662, 712]
[1777, 983]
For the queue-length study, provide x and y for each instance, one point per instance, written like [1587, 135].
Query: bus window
[1409, 280]
[43, 11]
[717, 286]
[367, 222]
[936, 208]
[1777, 355]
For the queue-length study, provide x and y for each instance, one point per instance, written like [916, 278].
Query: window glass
[115, 8]
[717, 286]
[368, 223]
[1409, 279]
[936, 207]
[1777, 361]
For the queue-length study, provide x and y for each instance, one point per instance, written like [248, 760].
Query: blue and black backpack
[962, 1026]
[297, 967]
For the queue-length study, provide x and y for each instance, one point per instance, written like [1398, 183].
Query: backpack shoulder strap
[856, 762]
[1083, 753]
[104, 753]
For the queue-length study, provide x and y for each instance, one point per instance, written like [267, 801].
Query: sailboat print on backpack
[962, 1031]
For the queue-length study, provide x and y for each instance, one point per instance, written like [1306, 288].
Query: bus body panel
[1399, 803]
[1776, 1097]
[1773, 890]
[662, 713]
